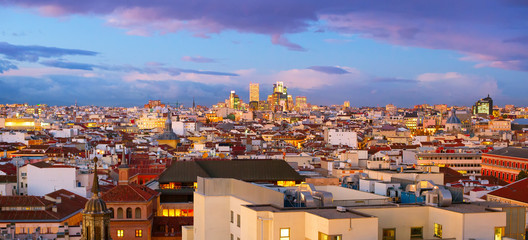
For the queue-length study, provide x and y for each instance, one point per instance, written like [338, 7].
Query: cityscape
[254, 120]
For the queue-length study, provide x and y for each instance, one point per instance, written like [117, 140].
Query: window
[417, 233]
[284, 234]
[323, 236]
[499, 232]
[129, 213]
[232, 237]
[119, 213]
[120, 233]
[389, 234]
[112, 213]
[238, 220]
[232, 217]
[138, 212]
[437, 230]
[139, 233]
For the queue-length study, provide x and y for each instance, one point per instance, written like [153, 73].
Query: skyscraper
[483, 106]
[234, 100]
[254, 92]
[279, 100]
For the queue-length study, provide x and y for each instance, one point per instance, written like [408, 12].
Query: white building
[233, 209]
[341, 137]
[13, 137]
[41, 178]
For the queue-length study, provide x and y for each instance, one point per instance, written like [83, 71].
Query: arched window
[120, 213]
[129, 213]
[112, 213]
[138, 212]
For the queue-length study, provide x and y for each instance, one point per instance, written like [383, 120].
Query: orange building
[133, 208]
[505, 163]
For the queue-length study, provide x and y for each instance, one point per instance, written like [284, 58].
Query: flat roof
[327, 212]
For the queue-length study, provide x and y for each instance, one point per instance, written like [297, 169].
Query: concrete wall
[41, 181]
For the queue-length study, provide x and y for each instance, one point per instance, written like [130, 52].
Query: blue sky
[122, 53]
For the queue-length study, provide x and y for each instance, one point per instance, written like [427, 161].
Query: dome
[95, 205]
[453, 119]
[168, 136]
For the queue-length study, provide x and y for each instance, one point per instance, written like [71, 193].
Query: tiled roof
[70, 203]
[517, 191]
[24, 201]
[129, 193]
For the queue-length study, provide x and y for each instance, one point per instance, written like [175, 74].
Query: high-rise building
[346, 104]
[300, 102]
[234, 100]
[391, 108]
[254, 92]
[279, 99]
[483, 106]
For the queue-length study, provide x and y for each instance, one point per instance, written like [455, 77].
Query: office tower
[234, 100]
[279, 100]
[254, 97]
[254, 92]
[300, 102]
[483, 106]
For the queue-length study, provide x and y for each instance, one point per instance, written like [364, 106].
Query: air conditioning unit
[341, 209]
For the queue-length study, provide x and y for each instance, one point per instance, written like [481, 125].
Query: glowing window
[139, 233]
[120, 233]
[437, 230]
[499, 232]
[284, 234]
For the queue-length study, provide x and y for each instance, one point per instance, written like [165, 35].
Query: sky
[371, 53]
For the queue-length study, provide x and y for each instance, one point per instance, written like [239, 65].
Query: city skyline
[371, 54]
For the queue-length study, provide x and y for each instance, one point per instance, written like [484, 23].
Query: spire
[95, 185]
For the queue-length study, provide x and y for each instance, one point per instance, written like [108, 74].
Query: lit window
[120, 233]
[165, 212]
[284, 234]
[417, 233]
[139, 233]
[499, 232]
[438, 230]
[323, 236]
[389, 234]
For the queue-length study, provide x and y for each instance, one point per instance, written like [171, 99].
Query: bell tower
[96, 216]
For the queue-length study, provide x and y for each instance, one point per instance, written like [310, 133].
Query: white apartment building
[41, 178]
[341, 137]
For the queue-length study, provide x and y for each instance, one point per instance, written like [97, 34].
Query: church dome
[95, 205]
[453, 119]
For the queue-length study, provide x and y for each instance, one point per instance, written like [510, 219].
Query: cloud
[329, 69]
[66, 89]
[493, 28]
[281, 40]
[69, 65]
[6, 65]
[198, 59]
[34, 53]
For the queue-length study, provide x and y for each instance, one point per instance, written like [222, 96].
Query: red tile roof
[70, 204]
[129, 193]
[517, 191]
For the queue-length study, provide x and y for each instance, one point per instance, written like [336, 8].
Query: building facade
[505, 163]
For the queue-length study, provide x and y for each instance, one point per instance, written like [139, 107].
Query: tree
[522, 174]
